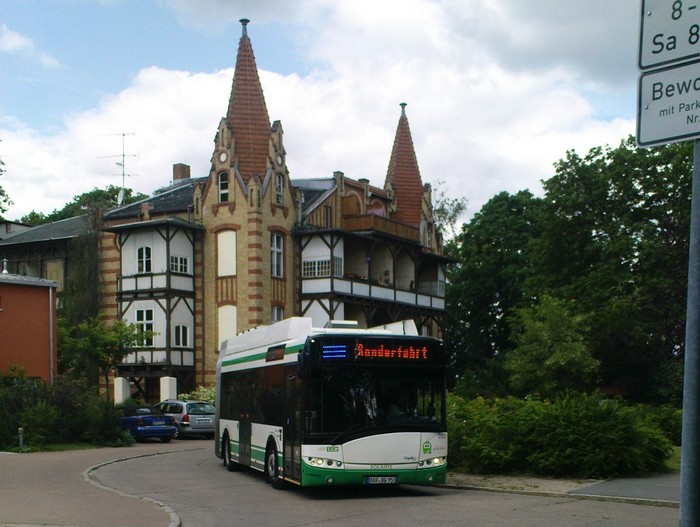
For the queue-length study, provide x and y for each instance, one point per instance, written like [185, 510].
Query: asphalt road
[182, 483]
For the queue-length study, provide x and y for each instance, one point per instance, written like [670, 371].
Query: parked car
[191, 417]
[143, 423]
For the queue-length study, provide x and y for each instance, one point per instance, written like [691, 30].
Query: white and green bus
[333, 406]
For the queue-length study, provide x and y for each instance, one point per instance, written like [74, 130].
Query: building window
[277, 254]
[327, 216]
[319, 268]
[182, 336]
[277, 314]
[223, 187]
[144, 323]
[279, 189]
[179, 264]
[144, 260]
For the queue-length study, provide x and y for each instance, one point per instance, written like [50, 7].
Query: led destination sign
[399, 353]
[381, 350]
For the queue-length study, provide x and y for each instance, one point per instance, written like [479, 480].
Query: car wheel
[165, 439]
[271, 469]
[177, 432]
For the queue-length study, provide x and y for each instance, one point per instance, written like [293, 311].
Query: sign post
[669, 110]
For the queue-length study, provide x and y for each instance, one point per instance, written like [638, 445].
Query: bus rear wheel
[271, 470]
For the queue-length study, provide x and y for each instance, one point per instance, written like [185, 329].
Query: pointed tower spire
[403, 175]
[247, 112]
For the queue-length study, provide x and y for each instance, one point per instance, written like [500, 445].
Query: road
[201, 492]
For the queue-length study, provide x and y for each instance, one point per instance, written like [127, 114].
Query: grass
[674, 462]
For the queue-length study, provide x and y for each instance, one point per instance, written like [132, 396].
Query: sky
[497, 91]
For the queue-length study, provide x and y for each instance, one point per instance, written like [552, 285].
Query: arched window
[182, 336]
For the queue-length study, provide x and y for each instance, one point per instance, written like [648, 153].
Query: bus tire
[271, 470]
[231, 466]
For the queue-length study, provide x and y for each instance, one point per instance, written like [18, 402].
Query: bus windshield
[347, 402]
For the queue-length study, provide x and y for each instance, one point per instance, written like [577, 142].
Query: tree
[88, 202]
[615, 238]
[447, 211]
[551, 355]
[493, 252]
[5, 201]
[105, 345]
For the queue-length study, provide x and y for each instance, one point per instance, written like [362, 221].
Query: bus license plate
[381, 480]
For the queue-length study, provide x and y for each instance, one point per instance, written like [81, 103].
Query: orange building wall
[28, 329]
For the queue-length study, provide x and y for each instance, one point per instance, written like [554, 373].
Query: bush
[208, 395]
[575, 435]
[39, 423]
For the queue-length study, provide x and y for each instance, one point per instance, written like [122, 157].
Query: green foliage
[87, 202]
[39, 423]
[486, 285]
[610, 237]
[551, 354]
[5, 201]
[206, 394]
[575, 435]
[61, 413]
[446, 210]
[101, 344]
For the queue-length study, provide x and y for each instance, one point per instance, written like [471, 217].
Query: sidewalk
[661, 490]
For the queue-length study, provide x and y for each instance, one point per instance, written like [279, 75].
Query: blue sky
[497, 90]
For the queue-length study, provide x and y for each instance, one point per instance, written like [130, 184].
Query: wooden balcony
[372, 222]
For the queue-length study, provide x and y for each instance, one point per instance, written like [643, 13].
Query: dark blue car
[143, 423]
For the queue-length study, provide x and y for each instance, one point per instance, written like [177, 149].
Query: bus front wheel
[231, 466]
[271, 469]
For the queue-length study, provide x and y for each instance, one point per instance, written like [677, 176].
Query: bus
[336, 405]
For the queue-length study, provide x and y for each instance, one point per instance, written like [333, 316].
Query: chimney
[180, 172]
[145, 211]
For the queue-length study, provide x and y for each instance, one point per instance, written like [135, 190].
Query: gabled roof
[403, 174]
[15, 279]
[58, 230]
[149, 224]
[177, 198]
[247, 113]
[313, 191]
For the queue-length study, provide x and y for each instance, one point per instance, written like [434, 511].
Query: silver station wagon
[191, 417]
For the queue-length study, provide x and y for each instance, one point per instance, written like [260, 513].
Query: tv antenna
[122, 163]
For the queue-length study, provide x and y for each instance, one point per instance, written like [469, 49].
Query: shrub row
[64, 412]
[575, 435]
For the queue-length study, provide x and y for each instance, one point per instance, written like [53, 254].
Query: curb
[88, 476]
[592, 497]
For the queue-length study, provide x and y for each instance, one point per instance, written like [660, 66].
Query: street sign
[670, 32]
[669, 105]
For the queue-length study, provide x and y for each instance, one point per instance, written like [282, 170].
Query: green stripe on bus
[260, 356]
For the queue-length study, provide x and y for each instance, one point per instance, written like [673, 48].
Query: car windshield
[200, 409]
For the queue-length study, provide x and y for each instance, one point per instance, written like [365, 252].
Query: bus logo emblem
[427, 448]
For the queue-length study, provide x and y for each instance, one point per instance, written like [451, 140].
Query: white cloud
[13, 42]
[496, 94]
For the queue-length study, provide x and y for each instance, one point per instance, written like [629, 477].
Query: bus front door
[292, 435]
[244, 436]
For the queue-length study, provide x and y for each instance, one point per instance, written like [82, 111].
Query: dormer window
[223, 187]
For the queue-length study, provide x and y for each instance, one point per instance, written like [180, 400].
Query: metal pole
[690, 468]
